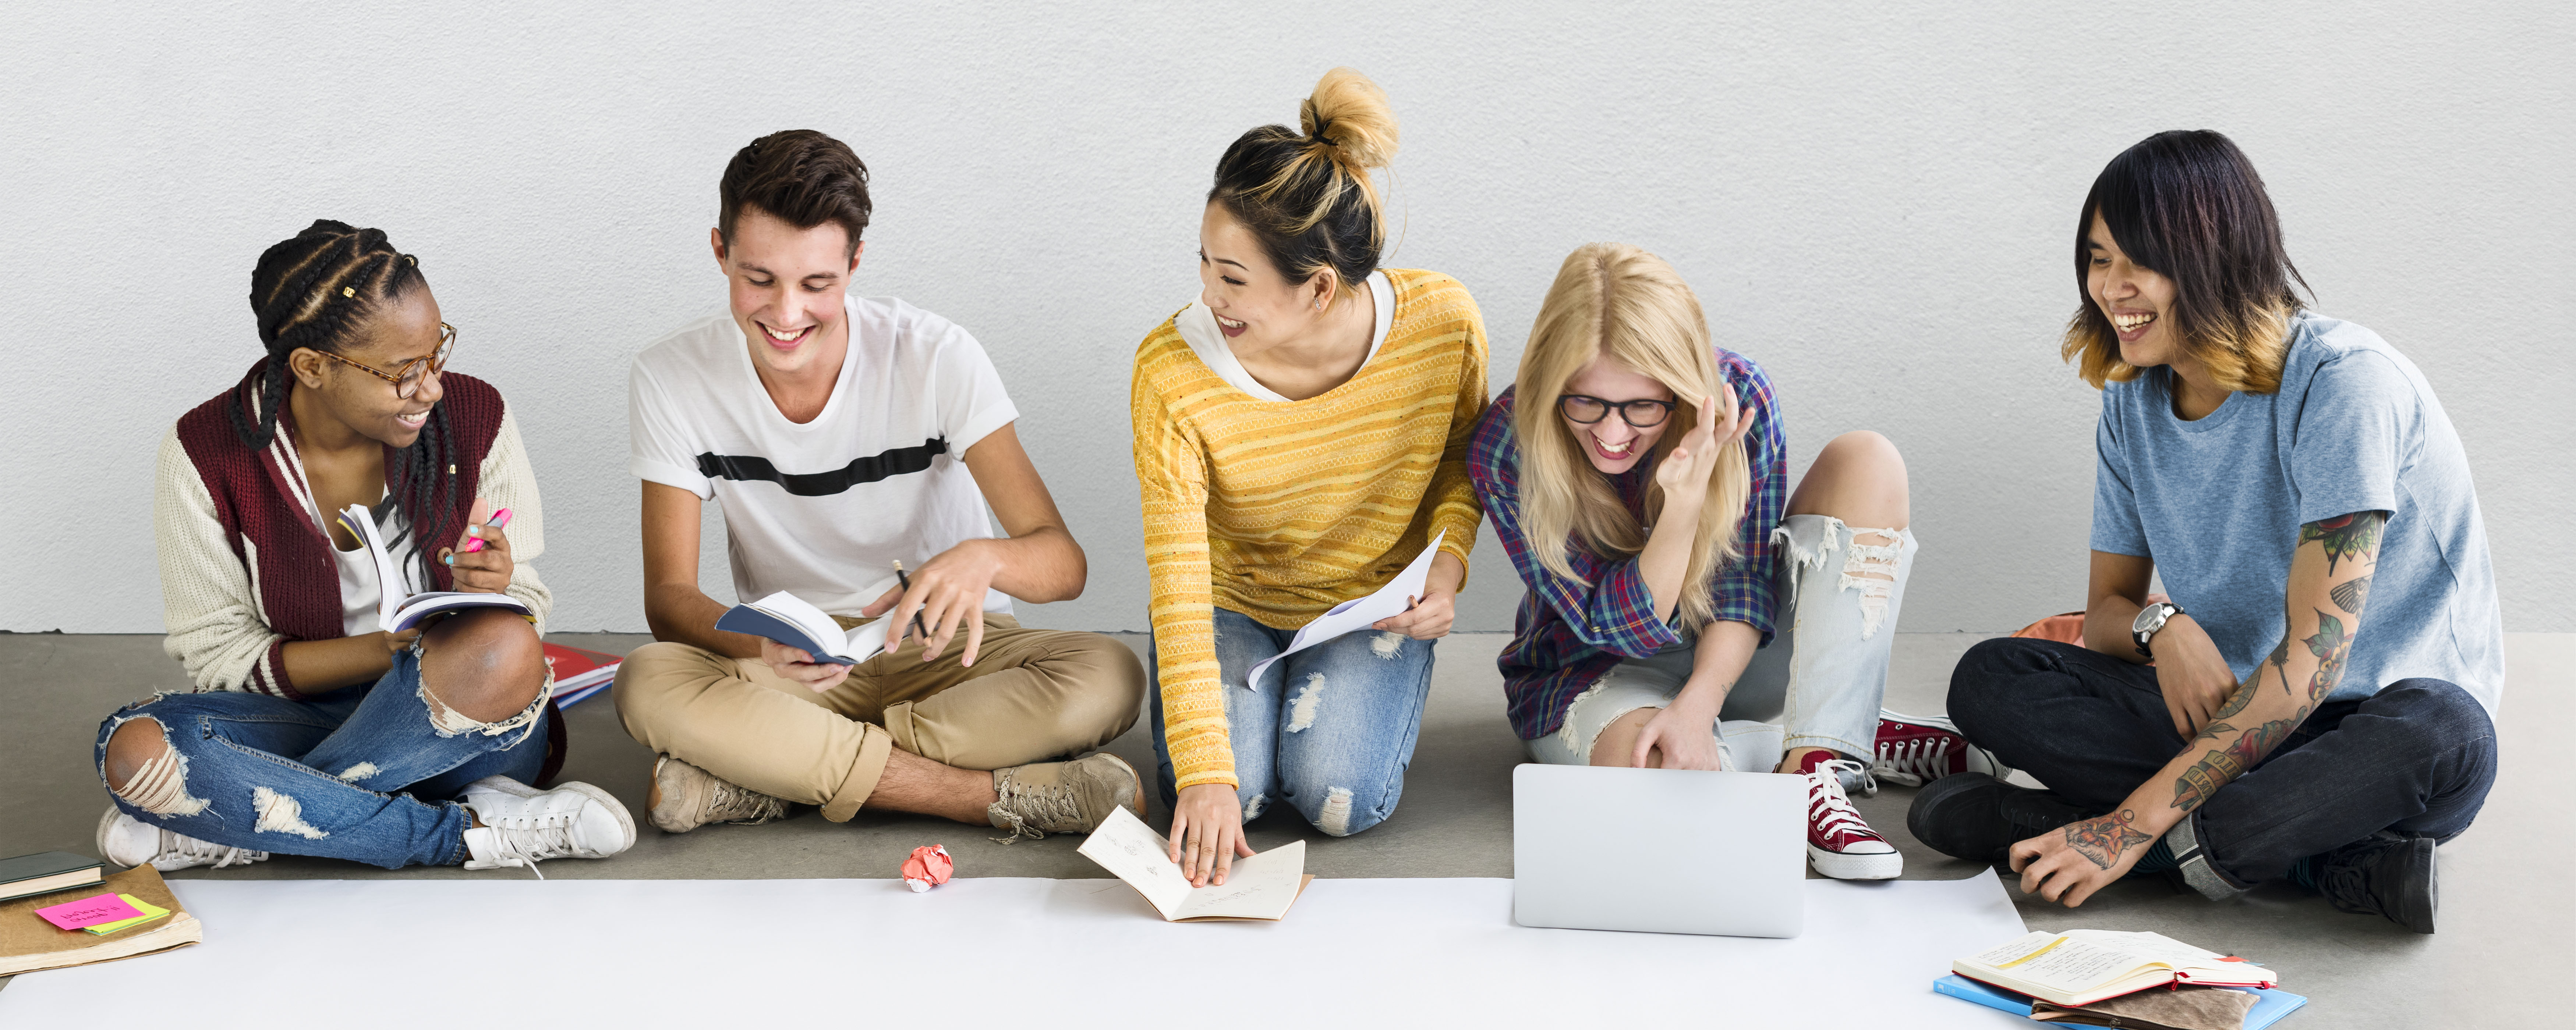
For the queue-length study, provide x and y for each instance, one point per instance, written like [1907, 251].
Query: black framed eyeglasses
[408, 376]
[1641, 414]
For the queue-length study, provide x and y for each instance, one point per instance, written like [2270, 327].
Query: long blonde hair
[1618, 301]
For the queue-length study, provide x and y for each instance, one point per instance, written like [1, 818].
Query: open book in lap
[1259, 887]
[399, 611]
[2079, 967]
[791, 620]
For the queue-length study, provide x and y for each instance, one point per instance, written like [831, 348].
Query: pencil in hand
[919, 633]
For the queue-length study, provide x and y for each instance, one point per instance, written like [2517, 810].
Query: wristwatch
[2151, 619]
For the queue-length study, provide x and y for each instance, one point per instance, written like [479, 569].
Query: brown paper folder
[28, 943]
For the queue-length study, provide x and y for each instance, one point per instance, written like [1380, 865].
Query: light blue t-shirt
[2218, 504]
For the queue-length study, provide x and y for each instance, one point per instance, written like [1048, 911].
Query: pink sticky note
[72, 915]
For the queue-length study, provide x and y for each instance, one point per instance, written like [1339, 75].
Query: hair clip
[348, 291]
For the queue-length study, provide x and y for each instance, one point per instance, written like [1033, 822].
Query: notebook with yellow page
[2079, 967]
[28, 943]
[1259, 887]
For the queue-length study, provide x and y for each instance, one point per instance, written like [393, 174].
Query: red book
[579, 672]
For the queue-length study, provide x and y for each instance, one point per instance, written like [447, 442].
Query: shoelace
[183, 846]
[1913, 762]
[1024, 806]
[532, 840]
[1830, 809]
[734, 803]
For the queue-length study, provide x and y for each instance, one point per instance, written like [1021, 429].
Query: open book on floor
[399, 611]
[1259, 887]
[791, 620]
[2079, 967]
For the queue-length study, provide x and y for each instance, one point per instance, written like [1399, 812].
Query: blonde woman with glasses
[1636, 474]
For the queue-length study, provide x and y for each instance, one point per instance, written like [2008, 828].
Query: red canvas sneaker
[1839, 843]
[1918, 749]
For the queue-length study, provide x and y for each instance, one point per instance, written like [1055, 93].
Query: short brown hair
[803, 177]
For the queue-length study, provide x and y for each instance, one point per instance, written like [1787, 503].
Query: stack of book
[579, 673]
[33, 883]
[2109, 978]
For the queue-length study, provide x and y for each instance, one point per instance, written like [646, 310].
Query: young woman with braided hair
[1301, 436]
[311, 731]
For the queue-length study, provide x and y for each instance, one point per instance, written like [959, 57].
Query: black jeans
[2416, 758]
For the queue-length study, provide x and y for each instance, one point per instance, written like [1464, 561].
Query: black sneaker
[1979, 818]
[2384, 874]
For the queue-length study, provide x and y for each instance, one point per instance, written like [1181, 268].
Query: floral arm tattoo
[2345, 535]
[2103, 840]
[2347, 540]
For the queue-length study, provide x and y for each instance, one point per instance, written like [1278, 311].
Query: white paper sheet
[975, 952]
[1388, 602]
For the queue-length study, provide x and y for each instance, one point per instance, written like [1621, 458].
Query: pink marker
[500, 519]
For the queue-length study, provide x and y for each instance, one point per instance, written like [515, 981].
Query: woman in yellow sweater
[1301, 436]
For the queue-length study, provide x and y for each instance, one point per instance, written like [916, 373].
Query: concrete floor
[2504, 930]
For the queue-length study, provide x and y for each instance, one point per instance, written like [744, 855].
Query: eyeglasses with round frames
[1639, 414]
[408, 376]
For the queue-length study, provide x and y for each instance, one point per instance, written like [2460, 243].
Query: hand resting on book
[798, 665]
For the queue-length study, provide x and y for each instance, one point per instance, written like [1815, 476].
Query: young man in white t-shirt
[843, 435]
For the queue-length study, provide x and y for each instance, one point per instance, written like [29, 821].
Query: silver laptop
[1663, 850]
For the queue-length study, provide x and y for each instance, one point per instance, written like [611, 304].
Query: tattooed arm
[2329, 584]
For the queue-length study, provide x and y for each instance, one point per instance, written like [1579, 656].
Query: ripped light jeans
[1821, 678]
[1331, 729]
[361, 773]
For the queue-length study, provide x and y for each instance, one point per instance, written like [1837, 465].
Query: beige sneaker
[686, 797]
[1063, 797]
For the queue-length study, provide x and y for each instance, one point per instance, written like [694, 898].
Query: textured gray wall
[1877, 206]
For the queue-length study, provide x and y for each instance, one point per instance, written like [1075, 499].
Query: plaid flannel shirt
[1570, 631]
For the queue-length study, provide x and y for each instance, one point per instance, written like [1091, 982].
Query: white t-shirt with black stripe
[824, 509]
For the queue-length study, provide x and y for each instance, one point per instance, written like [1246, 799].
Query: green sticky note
[150, 912]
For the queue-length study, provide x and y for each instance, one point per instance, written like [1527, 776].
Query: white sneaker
[128, 841]
[523, 825]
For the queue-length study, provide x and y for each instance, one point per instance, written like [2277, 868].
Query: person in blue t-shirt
[2283, 470]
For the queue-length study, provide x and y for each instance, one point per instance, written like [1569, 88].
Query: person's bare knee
[138, 741]
[486, 666]
[1617, 744]
[1859, 478]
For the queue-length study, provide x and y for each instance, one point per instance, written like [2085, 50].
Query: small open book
[1260, 887]
[791, 620]
[399, 611]
[2079, 967]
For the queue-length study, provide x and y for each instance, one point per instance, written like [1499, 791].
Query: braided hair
[316, 292]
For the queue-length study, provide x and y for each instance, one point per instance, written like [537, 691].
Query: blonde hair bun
[1349, 116]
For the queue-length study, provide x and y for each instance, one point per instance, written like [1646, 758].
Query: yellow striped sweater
[1282, 509]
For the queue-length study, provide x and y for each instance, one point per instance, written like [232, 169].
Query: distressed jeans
[1822, 677]
[2415, 758]
[365, 773]
[1330, 730]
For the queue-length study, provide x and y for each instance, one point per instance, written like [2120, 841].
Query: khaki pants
[1033, 695]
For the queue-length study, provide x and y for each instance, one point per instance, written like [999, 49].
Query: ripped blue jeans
[1331, 729]
[366, 773]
